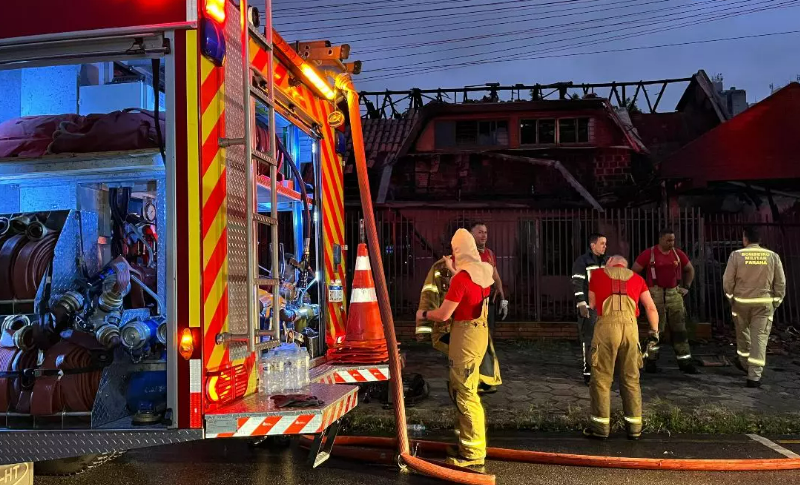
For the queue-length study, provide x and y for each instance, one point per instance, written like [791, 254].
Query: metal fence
[535, 251]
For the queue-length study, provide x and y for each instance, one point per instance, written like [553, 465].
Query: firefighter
[669, 275]
[755, 285]
[480, 232]
[467, 302]
[432, 296]
[593, 259]
[615, 293]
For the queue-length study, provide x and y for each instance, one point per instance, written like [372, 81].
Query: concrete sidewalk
[543, 390]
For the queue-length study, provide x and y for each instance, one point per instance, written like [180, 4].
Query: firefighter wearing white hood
[467, 302]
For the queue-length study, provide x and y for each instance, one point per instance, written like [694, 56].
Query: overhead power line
[445, 15]
[710, 15]
[593, 24]
[516, 57]
[628, 49]
[539, 15]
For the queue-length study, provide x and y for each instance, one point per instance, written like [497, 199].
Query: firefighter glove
[503, 311]
[583, 310]
[652, 342]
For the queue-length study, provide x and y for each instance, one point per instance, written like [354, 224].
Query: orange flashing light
[186, 345]
[311, 74]
[215, 9]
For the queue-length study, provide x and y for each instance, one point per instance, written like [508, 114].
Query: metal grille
[535, 251]
[237, 185]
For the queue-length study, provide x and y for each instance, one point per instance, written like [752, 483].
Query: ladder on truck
[246, 334]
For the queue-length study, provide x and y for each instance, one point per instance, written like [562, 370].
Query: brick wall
[612, 168]
[533, 331]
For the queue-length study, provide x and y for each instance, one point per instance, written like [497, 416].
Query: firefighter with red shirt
[615, 293]
[669, 275]
[481, 234]
[467, 302]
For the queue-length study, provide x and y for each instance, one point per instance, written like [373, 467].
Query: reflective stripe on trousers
[753, 325]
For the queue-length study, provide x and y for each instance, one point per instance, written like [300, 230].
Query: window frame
[557, 121]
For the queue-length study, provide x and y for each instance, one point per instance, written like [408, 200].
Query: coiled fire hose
[344, 83]
[443, 472]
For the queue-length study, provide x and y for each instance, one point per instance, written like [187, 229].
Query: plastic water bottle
[275, 384]
[416, 429]
[290, 369]
[264, 374]
[305, 363]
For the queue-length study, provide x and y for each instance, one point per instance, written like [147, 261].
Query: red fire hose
[344, 83]
[443, 472]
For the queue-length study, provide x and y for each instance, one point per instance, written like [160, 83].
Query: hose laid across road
[569, 459]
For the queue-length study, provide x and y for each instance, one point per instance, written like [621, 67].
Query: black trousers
[585, 334]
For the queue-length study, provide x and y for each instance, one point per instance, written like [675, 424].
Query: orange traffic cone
[364, 342]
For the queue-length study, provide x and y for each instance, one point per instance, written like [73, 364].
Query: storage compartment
[83, 247]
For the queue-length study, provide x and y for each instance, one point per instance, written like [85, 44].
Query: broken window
[527, 132]
[567, 132]
[546, 132]
[481, 133]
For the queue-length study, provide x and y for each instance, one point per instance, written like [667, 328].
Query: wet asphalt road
[233, 462]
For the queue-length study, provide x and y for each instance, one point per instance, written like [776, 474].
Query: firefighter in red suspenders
[669, 275]
[615, 293]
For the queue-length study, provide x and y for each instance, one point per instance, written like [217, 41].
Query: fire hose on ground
[460, 475]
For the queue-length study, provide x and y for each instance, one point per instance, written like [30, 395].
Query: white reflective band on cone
[760, 363]
[424, 329]
[601, 420]
[364, 295]
[431, 288]
[743, 354]
[583, 277]
[753, 301]
[362, 263]
[684, 357]
[633, 420]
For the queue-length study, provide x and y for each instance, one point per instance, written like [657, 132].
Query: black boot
[587, 378]
[753, 384]
[688, 368]
[738, 364]
[650, 367]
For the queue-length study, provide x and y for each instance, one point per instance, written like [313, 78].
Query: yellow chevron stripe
[217, 356]
[214, 236]
[213, 113]
[206, 68]
[217, 290]
[213, 174]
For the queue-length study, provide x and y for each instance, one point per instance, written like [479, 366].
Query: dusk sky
[419, 43]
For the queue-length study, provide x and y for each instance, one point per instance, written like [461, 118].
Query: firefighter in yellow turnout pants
[467, 302]
[432, 296]
[669, 275]
[615, 292]
[755, 284]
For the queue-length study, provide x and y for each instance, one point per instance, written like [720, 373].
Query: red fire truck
[171, 212]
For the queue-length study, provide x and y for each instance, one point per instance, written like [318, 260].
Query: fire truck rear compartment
[82, 182]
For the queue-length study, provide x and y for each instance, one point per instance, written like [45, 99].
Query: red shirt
[487, 256]
[603, 287]
[468, 295]
[669, 268]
